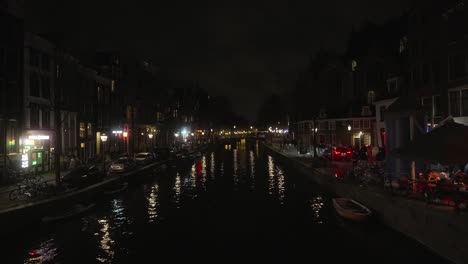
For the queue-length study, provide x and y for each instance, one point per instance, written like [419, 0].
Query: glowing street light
[176, 134]
[349, 127]
[104, 137]
[150, 136]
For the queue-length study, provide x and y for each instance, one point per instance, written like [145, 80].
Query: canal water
[235, 203]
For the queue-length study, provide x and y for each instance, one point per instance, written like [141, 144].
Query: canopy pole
[413, 163]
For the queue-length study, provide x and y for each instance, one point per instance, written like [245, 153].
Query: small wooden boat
[122, 187]
[75, 210]
[350, 209]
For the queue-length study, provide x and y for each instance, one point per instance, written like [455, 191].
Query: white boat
[122, 187]
[350, 209]
[75, 210]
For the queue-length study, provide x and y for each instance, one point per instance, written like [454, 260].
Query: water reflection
[45, 253]
[106, 243]
[280, 185]
[316, 204]
[235, 177]
[153, 203]
[252, 169]
[177, 190]
[212, 165]
[118, 213]
[276, 180]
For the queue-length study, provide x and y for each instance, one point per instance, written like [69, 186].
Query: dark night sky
[241, 49]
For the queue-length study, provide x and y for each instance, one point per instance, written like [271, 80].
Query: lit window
[82, 130]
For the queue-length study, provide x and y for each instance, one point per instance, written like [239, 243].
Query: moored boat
[350, 209]
[75, 210]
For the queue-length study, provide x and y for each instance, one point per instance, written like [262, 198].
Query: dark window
[45, 62]
[457, 67]
[416, 77]
[426, 74]
[45, 118]
[436, 72]
[437, 105]
[2, 61]
[33, 57]
[427, 106]
[34, 115]
[382, 110]
[45, 87]
[455, 103]
[12, 61]
[34, 85]
[464, 102]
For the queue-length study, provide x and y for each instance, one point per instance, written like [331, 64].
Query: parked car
[338, 153]
[144, 158]
[123, 164]
[83, 176]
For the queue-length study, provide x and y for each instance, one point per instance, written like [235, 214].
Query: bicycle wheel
[14, 194]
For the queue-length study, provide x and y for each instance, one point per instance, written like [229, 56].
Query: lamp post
[104, 140]
[150, 136]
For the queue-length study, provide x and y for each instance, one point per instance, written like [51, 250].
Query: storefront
[37, 151]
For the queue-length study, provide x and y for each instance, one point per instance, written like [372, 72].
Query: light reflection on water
[317, 204]
[212, 167]
[177, 190]
[106, 243]
[153, 203]
[235, 177]
[44, 253]
[276, 180]
[252, 169]
[280, 185]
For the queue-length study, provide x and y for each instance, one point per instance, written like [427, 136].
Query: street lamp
[349, 127]
[104, 140]
[150, 136]
[234, 127]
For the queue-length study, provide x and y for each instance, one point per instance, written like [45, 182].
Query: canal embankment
[440, 228]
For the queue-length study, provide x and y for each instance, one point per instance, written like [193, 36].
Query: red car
[339, 153]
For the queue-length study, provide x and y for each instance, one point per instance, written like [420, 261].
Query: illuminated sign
[29, 142]
[39, 137]
[117, 132]
[24, 161]
[11, 142]
[34, 163]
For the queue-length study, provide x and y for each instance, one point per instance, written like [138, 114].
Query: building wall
[11, 73]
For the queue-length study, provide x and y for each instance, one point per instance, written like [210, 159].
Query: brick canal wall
[439, 228]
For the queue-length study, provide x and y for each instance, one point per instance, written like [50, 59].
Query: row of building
[82, 106]
[395, 81]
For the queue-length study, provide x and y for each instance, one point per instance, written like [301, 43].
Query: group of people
[370, 153]
[431, 179]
